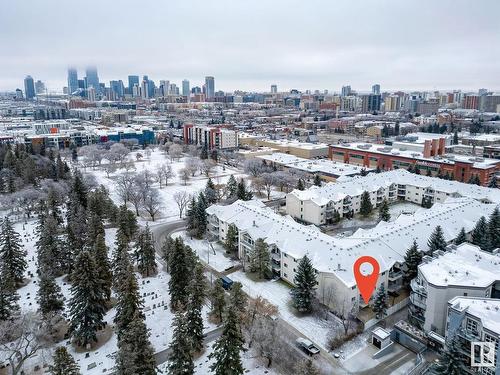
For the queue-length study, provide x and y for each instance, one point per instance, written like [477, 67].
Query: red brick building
[459, 167]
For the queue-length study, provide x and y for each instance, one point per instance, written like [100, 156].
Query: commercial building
[328, 170]
[210, 137]
[430, 161]
[300, 149]
[472, 320]
[210, 87]
[72, 81]
[317, 205]
[92, 79]
[463, 270]
[132, 82]
[185, 88]
[332, 257]
[29, 88]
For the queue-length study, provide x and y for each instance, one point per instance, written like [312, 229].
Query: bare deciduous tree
[124, 184]
[182, 199]
[152, 202]
[184, 175]
[22, 339]
[207, 166]
[175, 152]
[254, 167]
[192, 165]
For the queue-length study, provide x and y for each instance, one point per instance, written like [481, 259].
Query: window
[471, 326]
[286, 265]
[285, 275]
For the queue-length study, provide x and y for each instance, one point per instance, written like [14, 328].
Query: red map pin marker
[366, 283]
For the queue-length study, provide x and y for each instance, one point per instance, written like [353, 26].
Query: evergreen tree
[455, 137]
[210, 192]
[238, 299]
[461, 238]
[383, 211]
[242, 192]
[218, 300]
[366, 206]
[53, 206]
[306, 367]
[8, 296]
[493, 182]
[451, 361]
[194, 317]
[336, 216]
[260, 258]
[480, 236]
[135, 353]
[436, 241]
[121, 261]
[12, 254]
[78, 188]
[87, 305]
[180, 273]
[76, 229]
[95, 227]
[231, 187]
[204, 154]
[380, 303]
[191, 215]
[317, 180]
[51, 258]
[231, 242]
[127, 222]
[64, 364]
[200, 215]
[180, 358]
[49, 296]
[227, 348]
[413, 258]
[166, 251]
[305, 285]
[300, 184]
[494, 229]
[129, 303]
[103, 266]
[145, 252]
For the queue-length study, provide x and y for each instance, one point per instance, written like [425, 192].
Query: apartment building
[211, 137]
[317, 205]
[463, 270]
[473, 320]
[333, 257]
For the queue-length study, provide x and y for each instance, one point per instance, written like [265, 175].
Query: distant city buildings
[274, 89]
[185, 88]
[92, 79]
[73, 84]
[132, 82]
[39, 87]
[29, 88]
[210, 87]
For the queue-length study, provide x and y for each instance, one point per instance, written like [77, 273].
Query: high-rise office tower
[39, 87]
[210, 87]
[185, 88]
[117, 88]
[91, 94]
[93, 79]
[132, 81]
[29, 88]
[346, 90]
[164, 87]
[274, 89]
[81, 84]
[145, 88]
[376, 89]
[72, 80]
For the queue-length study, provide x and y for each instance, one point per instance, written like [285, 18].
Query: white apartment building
[317, 205]
[475, 320]
[333, 257]
[464, 270]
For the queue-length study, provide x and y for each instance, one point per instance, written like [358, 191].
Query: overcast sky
[251, 44]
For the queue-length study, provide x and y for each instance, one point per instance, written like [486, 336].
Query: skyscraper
[29, 88]
[39, 87]
[376, 89]
[185, 88]
[72, 80]
[346, 90]
[93, 79]
[210, 87]
[274, 89]
[132, 81]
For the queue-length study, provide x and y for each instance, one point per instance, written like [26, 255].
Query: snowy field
[219, 261]
[169, 209]
[156, 300]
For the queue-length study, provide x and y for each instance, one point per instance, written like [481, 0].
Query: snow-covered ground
[156, 307]
[251, 365]
[278, 293]
[169, 209]
[219, 260]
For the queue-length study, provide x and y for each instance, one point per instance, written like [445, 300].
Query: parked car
[307, 346]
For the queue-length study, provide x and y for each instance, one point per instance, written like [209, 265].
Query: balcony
[418, 301]
[394, 286]
[395, 275]
[417, 288]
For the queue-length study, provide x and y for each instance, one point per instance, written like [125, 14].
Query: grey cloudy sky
[250, 44]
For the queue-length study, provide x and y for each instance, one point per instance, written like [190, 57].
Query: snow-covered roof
[387, 242]
[356, 185]
[411, 154]
[485, 309]
[467, 265]
[324, 166]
